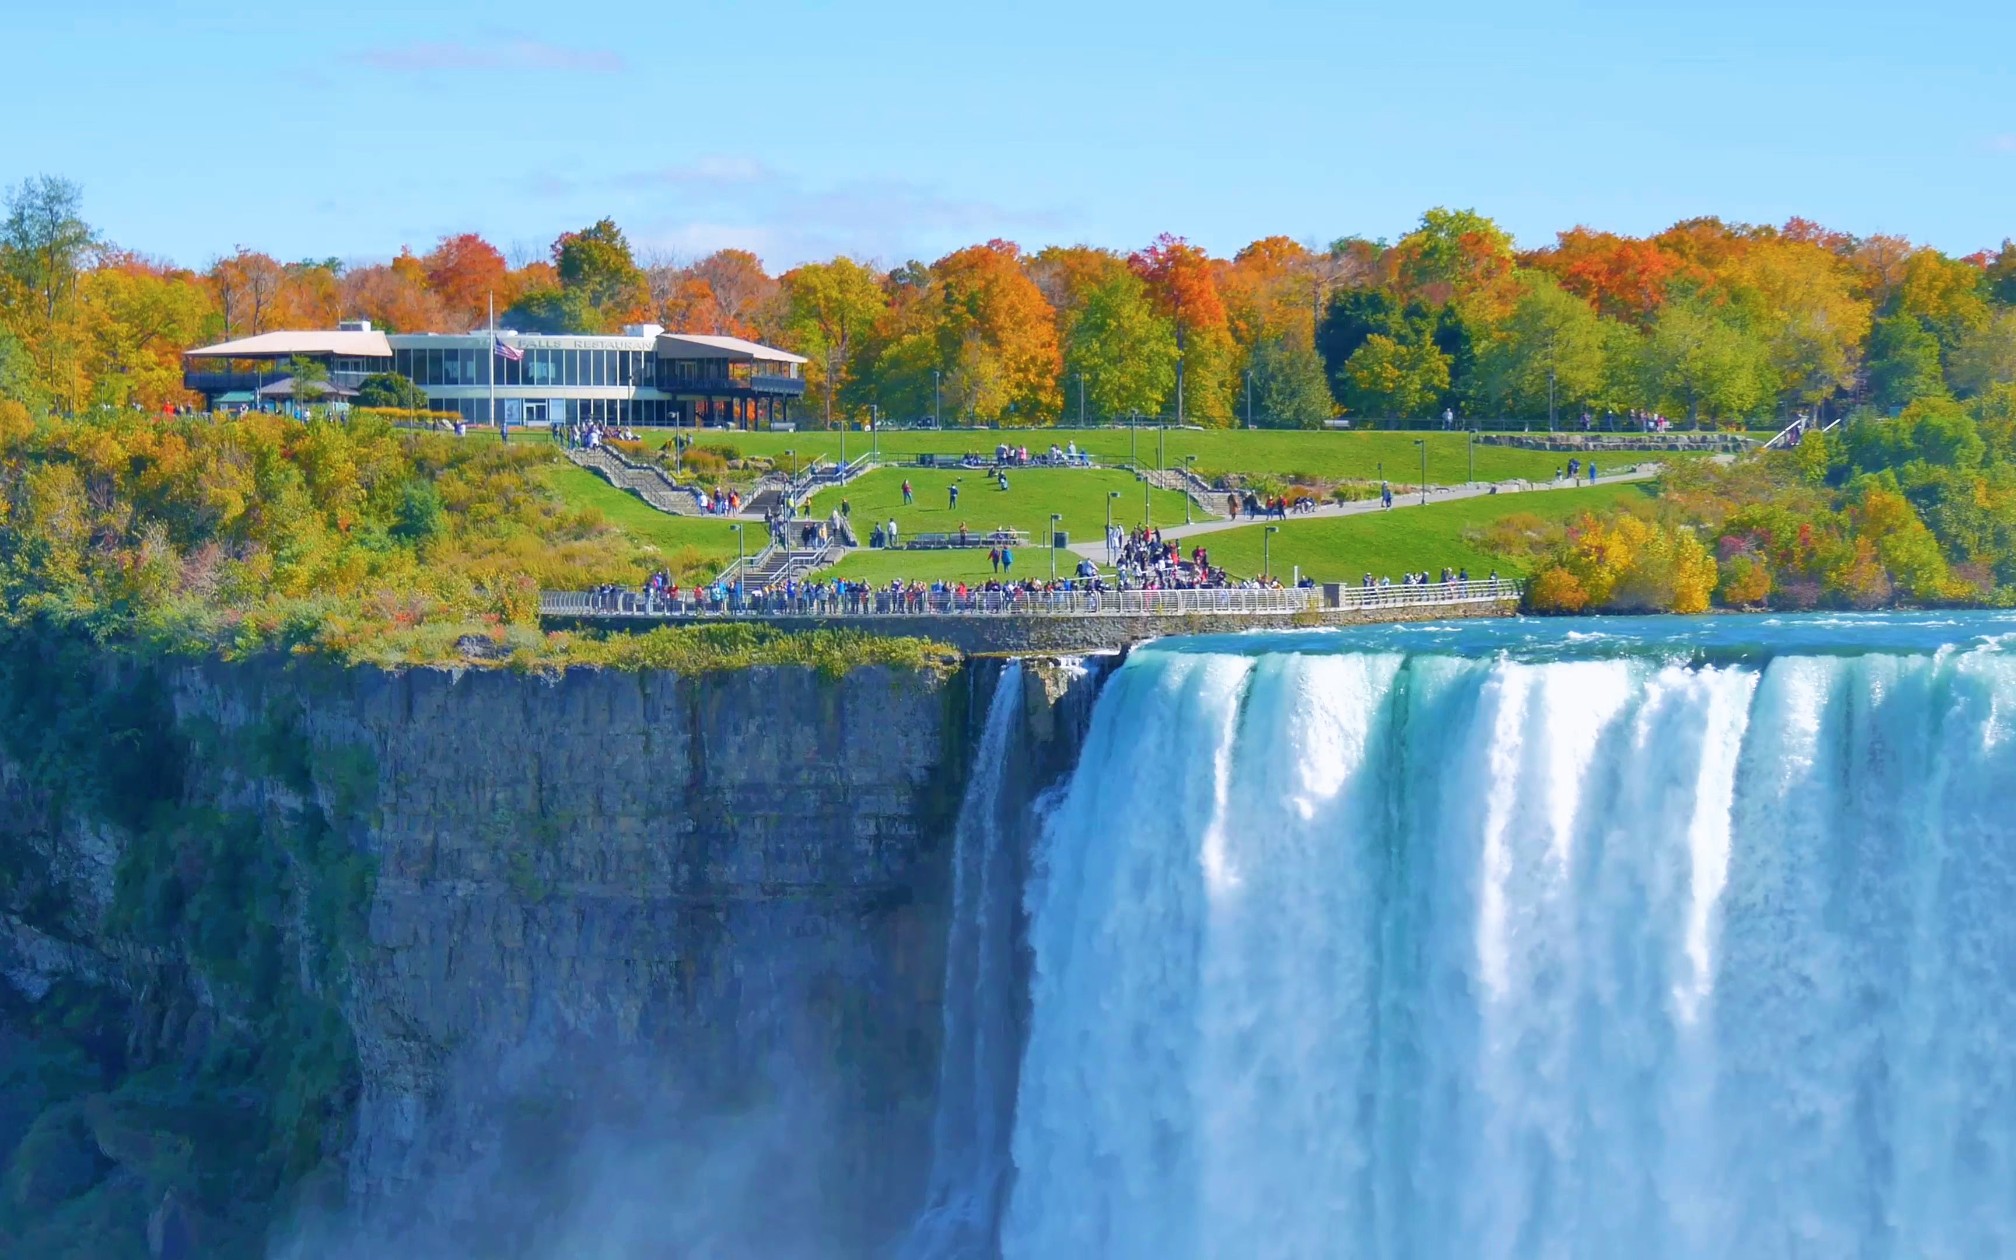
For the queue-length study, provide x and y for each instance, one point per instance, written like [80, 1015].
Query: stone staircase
[647, 482]
[1178, 481]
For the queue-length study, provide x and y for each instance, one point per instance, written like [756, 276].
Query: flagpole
[503, 434]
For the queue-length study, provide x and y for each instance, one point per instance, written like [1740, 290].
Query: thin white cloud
[432, 57]
[2005, 143]
[734, 201]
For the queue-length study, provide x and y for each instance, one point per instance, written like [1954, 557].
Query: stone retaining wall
[1005, 634]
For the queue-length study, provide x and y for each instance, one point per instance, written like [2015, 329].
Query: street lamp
[1470, 437]
[874, 431]
[1249, 398]
[1081, 399]
[1188, 461]
[1423, 444]
[1266, 551]
[1055, 519]
[1111, 495]
[936, 418]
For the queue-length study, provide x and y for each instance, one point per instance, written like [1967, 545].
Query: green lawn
[1324, 454]
[1078, 494]
[713, 538]
[1387, 544]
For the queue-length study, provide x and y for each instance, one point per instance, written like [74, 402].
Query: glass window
[570, 366]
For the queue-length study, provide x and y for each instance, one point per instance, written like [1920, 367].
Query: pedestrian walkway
[1096, 549]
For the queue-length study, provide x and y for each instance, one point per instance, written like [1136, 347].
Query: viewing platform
[1068, 621]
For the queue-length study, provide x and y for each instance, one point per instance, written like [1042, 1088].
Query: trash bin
[1060, 541]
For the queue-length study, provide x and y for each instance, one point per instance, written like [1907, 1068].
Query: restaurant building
[645, 376]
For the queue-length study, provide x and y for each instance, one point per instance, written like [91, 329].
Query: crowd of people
[1576, 467]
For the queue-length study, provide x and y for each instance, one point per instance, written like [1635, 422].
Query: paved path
[1442, 494]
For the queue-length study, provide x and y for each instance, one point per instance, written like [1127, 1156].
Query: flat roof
[363, 345]
[707, 346]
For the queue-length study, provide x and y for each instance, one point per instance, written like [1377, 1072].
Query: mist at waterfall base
[1679, 938]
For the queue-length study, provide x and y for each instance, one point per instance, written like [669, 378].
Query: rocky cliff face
[476, 963]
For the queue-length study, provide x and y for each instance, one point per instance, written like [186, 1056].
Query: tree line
[1706, 322]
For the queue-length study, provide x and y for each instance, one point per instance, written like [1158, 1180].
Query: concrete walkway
[1436, 494]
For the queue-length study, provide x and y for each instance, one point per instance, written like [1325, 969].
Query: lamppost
[1470, 438]
[1188, 461]
[935, 402]
[1055, 519]
[1266, 551]
[741, 559]
[1423, 444]
[874, 431]
[1249, 398]
[1081, 399]
[1161, 447]
[1111, 495]
[1134, 438]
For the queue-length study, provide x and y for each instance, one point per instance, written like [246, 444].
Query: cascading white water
[1424, 956]
[977, 1062]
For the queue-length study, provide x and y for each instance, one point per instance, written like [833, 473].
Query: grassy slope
[882, 567]
[1326, 454]
[1079, 495]
[1343, 549]
[583, 489]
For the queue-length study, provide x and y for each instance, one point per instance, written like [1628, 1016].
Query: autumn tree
[1622, 277]
[394, 297]
[744, 294]
[993, 335]
[466, 274]
[1183, 282]
[142, 317]
[248, 287]
[830, 310]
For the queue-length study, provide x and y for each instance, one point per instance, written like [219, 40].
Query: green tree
[390, 389]
[310, 376]
[1124, 349]
[1388, 376]
[1903, 362]
[44, 241]
[1550, 353]
[1986, 357]
[601, 284]
[1695, 361]
[1290, 388]
[44, 246]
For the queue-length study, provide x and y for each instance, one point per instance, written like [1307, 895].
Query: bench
[973, 538]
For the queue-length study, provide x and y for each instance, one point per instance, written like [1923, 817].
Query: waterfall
[1413, 953]
[976, 1076]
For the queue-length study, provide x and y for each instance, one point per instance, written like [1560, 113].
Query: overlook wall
[474, 959]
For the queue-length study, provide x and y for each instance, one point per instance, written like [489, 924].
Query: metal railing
[845, 600]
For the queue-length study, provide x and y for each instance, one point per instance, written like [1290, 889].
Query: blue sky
[901, 130]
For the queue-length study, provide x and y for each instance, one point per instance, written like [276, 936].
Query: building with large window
[646, 376]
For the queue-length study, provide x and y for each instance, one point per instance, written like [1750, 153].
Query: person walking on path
[909, 495]
[954, 490]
